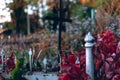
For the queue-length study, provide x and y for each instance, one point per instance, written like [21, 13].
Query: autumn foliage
[106, 60]
[71, 70]
[107, 57]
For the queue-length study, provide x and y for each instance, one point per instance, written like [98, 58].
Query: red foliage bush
[10, 63]
[106, 60]
[0, 60]
[73, 71]
[106, 57]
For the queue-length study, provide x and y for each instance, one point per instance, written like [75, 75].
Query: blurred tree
[107, 16]
[18, 15]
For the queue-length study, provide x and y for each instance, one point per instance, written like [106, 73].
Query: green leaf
[26, 57]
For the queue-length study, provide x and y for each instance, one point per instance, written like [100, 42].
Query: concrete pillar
[30, 59]
[89, 56]
[2, 57]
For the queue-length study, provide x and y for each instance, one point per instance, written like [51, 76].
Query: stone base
[41, 76]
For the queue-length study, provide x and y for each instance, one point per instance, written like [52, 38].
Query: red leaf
[118, 48]
[72, 58]
[110, 60]
[106, 66]
[64, 76]
[109, 75]
[102, 56]
[65, 68]
[116, 77]
[0, 60]
[98, 62]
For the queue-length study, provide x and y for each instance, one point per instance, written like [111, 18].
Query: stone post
[89, 56]
[2, 57]
[30, 59]
[45, 64]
